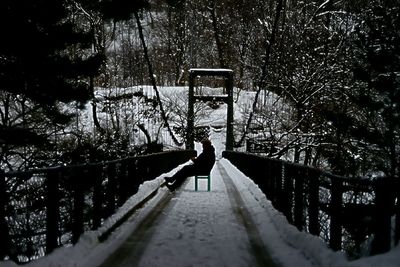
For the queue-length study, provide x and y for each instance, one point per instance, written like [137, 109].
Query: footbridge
[259, 212]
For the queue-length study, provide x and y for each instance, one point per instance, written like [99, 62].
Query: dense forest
[336, 64]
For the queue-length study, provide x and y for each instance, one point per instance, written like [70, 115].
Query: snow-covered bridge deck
[228, 226]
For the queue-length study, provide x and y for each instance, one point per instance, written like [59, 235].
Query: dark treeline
[334, 63]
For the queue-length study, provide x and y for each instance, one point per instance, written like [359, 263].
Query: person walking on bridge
[201, 165]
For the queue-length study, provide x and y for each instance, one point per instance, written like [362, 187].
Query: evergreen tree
[34, 60]
[376, 86]
[47, 57]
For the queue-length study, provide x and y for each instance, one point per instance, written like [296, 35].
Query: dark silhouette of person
[202, 165]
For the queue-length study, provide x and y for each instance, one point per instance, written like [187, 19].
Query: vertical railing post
[299, 200]
[397, 220]
[79, 200]
[384, 207]
[97, 172]
[287, 192]
[335, 234]
[111, 188]
[313, 199]
[141, 171]
[4, 234]
[276, 170]
[122, 183]
[269, 179]
[278, 174]
[53, 205]
[132, 176]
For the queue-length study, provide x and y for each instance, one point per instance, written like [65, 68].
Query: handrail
[343, 211]
[42, 209]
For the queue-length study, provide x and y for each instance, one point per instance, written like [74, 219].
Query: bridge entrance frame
[227, 74]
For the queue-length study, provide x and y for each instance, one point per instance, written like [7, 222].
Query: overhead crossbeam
[228, 98]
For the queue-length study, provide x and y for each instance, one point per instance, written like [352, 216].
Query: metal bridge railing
[345, 212]
[43, 209]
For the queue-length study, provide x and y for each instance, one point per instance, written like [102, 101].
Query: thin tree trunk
[94, 110]
[217, 36]
[146, 133]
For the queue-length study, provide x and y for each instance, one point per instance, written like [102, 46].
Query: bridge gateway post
[228, 75]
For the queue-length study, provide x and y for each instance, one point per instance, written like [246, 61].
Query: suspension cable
[264, 70]
[153, 80]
